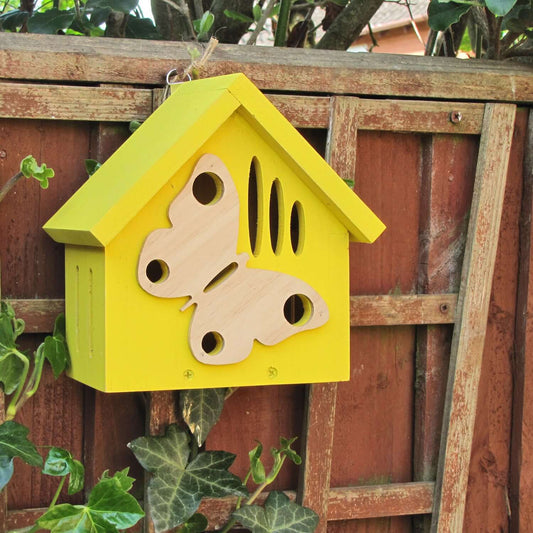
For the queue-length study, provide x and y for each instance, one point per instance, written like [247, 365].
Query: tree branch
[349, 24]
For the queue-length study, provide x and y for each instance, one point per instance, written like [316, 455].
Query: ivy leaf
[11, 360]
[500, 7]
[10, 326]
[197, 523]
[6, 470]
[29, 166]
[124, 481]
[256, 466]
[14, 443]
[442, 15]
[201, 410]
[59, 462]
[178, 486]
[279, 515]
[109, 509]
[51, 21]
[55, 347]
[11, 370]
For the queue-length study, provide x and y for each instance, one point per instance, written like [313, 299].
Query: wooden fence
[403, 446]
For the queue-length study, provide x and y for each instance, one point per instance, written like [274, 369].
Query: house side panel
[85, 313]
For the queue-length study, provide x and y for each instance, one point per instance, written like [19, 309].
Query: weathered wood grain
[319, 426]
[394, 499]
[345, 503]
[119, 104]
[447, 179]
[521, 478]
[389, 310]
[69, 58]
[38, 315]
[470, 328]
[315, 472]
[55, 102]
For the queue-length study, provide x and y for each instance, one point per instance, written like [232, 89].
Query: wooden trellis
[440, 492]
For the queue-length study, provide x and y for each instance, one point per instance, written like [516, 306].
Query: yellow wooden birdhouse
[210, 250]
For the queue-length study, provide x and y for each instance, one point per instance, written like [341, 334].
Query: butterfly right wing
[251, 304]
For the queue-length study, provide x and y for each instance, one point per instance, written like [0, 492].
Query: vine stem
[58, 492]
[10, 184]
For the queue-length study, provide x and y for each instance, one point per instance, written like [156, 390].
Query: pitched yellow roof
[110, 199]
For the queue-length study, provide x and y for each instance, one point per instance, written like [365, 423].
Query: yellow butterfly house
[210, 250]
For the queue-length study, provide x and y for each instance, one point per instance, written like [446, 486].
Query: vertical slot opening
[91, 310]
[253, 206]
[276, 216]
[297, 228]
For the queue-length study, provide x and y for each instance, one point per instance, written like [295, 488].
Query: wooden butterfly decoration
[197, 257]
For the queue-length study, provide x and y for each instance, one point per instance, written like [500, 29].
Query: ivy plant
[110, 507]
[182, 475]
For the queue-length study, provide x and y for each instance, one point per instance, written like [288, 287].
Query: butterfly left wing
[252, 304]
[183, 259]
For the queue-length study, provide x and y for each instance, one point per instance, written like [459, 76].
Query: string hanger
[194, 70]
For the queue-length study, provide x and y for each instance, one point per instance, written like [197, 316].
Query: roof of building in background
[393, 14]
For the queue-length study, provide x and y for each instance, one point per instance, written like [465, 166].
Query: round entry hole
[212, 343]
[157, 271]
[297, 309]
[207, 188]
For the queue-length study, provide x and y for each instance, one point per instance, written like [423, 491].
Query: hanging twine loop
[196, 67]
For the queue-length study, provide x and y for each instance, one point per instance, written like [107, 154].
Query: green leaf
[51, 21]
[279, 515]
[6, 470]
[177, 485]
[257, 11]
[201, 410]
[59, 462]
[443, 15]
[10, 326]
[138, 28]
[12, 20]
[197, 523]
[520, 18]
[235, 15]
[500, 7]
[109, 509]
[29, 166]
[55, 348]
[11, 370]
[256, 466]
[91, 166]
[14, 443]
[121, 478]
[11, 360]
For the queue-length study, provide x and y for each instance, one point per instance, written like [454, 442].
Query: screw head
[272, 372]
[188, 374]
[456, 117]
